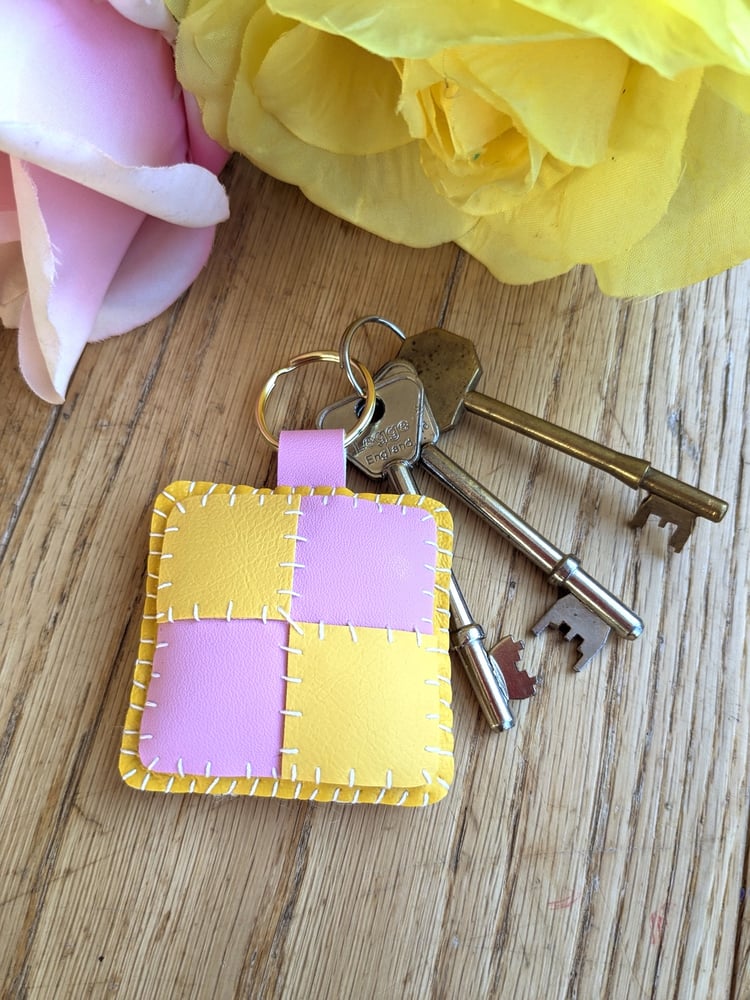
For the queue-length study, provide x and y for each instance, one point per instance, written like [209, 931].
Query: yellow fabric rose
[537, 136]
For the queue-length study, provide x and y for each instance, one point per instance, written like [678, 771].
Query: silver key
[597, 611]
[588, 611]
[506, 652]
[390, 447]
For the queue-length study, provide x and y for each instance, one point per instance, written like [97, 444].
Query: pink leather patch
[215, 698]
[364, 563]
[312, 458]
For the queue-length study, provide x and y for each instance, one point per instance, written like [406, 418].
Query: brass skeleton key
[449, 368]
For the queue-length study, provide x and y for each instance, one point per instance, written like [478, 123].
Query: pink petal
[87, 93]
[148, 13]
[184, 193]
[203, 150]
[79, 67]
[107, 179]
[9, 232]
[95, 268]
[73, 240]
[161, 262]
[30, 358]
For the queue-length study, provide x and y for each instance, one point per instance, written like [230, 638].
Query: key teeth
[680, 535]
[573, 620]
[668, 513]
[507, 653]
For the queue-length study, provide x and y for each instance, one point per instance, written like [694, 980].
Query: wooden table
[597, 850]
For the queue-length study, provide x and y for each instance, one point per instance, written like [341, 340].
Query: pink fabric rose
[108, 189]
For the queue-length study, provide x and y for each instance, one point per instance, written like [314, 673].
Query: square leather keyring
[294, 641]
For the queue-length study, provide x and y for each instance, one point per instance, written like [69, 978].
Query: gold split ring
[368, 408]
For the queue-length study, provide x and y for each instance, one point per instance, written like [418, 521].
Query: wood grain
[598, 849]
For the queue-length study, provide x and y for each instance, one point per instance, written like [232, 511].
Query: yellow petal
[497, 121]
[386, 193]
[707, 226]
[440, 108]
[209, 44]
[544, 87]
[597, 212]
[418, 31]
[669, 35]
[731, 87]
[509, 177]
[464, 100]
[177, 8]
[330, 93]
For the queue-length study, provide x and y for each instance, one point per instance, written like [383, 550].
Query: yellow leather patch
[363, 709]
[228, 556]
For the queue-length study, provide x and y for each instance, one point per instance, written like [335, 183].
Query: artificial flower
[537, 135]
[108, 189]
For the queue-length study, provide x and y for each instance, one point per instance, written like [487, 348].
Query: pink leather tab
[312, 458]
